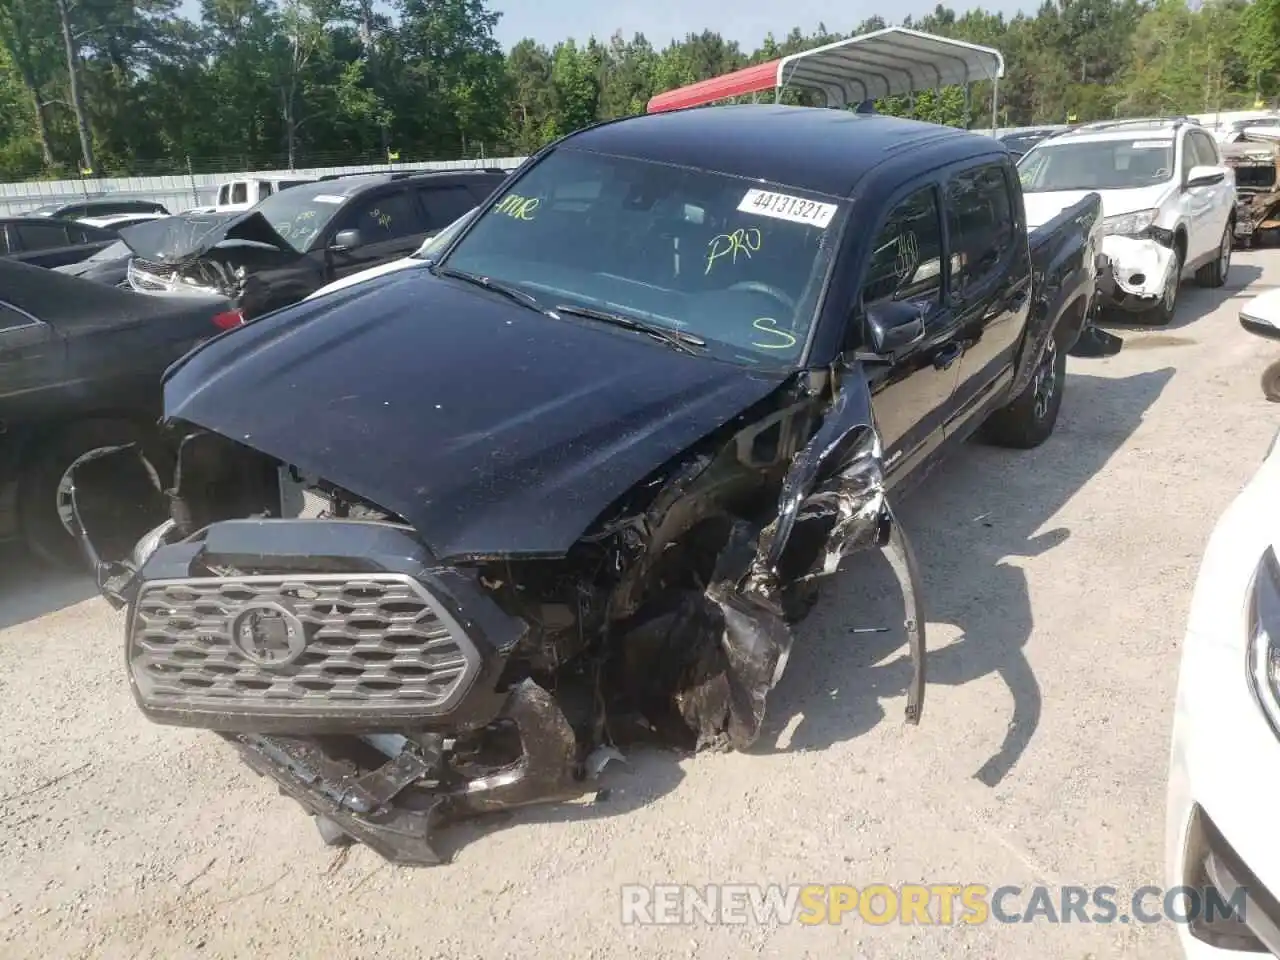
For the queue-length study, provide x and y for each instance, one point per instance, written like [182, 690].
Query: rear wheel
[1029, 420]
[1214, 273]
[1271, 382]
[44, 490]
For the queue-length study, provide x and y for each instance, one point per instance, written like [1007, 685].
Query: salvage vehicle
[436, 539]
[237, 195]
[1261, 316]
[80, 368]
[298, 240]
[1168, 203]
[1220, 839]
[118, 221]
[99, 207]
[1254, 163]
[49, 241]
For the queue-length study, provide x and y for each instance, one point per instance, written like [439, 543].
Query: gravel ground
[1056, 585]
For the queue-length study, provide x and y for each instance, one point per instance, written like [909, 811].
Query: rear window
[42, 236]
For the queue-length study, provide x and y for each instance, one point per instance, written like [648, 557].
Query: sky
[661, 21]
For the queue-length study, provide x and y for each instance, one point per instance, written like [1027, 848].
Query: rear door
[911, 397]
[443, 204]
[390, 224]
[990, 281]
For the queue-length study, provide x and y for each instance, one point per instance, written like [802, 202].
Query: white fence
[183, 192]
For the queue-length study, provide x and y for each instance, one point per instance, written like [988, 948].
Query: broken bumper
[1140, 271]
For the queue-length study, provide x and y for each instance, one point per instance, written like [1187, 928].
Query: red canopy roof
[756, 79]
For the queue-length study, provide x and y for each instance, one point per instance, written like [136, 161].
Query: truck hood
[1043, 207]
[492, 428]
[190, 235]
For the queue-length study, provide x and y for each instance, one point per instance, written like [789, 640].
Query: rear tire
[1271, 382]
[1214, 274]
[43, 501]
[1030, 418]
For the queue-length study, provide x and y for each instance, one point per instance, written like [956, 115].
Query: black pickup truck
[431, 536]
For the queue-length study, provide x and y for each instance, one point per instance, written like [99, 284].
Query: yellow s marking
[770, 326]
[745, 241]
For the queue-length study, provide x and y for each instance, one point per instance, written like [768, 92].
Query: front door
[390, 226]
[990, 284]
[910, 397]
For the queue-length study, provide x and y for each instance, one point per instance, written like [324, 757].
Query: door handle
[946, 356]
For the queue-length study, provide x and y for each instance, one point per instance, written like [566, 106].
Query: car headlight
[1129, 224]
[1264, 646]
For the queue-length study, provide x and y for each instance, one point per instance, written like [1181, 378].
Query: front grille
[309, 645]
[148, 276]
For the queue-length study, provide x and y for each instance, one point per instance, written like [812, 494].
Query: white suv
[1168, 203]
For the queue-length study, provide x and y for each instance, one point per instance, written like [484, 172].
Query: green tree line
[117, 87]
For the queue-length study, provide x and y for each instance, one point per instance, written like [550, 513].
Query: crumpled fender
[833, 504]
[1144, 261]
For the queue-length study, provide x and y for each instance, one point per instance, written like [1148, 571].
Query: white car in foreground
[1222, 838]
[1167, 203]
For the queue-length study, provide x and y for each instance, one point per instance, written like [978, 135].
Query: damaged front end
[1143, 269]
[1255, 164]
[224, 255]
[389, 690]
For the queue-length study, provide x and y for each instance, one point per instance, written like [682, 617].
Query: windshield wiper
[511, 293]
[684, 342]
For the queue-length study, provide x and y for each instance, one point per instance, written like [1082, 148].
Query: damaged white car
[1168, 204]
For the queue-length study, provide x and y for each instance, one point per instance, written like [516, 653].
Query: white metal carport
[891, 62]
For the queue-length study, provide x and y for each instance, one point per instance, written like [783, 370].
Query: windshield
[300, 213]
[1099, 165]
[432, 246]
[737, 263]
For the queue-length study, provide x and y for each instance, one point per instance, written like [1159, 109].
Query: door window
[224, 193]
[240, 192]
[264, 190]
[388, 216]
[445, 204]
[42, 236]
[980, 224]
[1206, 152]
[906, 259]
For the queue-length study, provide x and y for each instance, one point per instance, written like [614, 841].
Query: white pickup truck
[237, 195]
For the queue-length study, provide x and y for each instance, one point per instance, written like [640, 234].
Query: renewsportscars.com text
[942, 904]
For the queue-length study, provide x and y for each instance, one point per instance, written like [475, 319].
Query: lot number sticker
[782, 206]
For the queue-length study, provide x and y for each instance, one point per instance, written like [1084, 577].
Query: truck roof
[814, 148]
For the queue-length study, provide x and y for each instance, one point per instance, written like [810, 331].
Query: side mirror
[1260, 326]
[892, 328]
[346, 240]
[1205, 176]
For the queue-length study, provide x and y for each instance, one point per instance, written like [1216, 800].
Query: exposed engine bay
[389, 690]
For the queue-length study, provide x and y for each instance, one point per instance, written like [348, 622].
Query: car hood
[492, 428]
[189, 235]
[1043, 207]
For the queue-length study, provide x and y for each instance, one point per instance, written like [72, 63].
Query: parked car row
[605, 435]
[1168, 200]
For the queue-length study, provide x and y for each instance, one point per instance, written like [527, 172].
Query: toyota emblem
[268, 634]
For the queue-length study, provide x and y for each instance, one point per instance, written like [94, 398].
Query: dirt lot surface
[1057, 583]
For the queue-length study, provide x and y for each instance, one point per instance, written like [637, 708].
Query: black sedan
[80, 368]
[49, 241]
